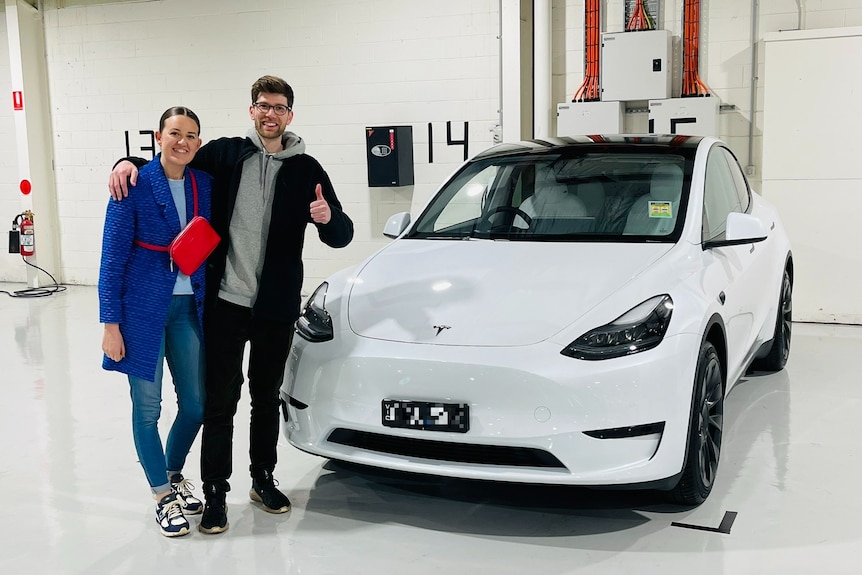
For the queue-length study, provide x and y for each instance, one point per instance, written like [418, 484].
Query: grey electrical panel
[585, 118]
[685, 116]
[636, 65]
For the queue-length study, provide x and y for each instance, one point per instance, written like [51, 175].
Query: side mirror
[741, 229]
[744, 227]
[396, 225]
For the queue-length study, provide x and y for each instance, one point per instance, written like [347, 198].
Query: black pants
[227, 329]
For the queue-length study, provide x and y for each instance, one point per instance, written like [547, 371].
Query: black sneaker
[263, 491]
[214, 518]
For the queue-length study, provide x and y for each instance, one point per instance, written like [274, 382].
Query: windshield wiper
[444, 237]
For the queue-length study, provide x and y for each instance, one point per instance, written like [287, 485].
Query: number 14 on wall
[449, 141]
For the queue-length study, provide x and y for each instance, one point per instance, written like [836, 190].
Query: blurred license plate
[426, 415]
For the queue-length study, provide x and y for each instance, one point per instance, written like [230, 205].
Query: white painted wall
[811, 167]
[354, 63]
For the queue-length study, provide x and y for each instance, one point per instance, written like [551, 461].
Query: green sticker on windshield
[660, 210]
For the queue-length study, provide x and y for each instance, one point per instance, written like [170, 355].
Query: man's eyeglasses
[264, 108]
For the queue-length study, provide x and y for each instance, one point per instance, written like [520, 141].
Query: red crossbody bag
[193, 244]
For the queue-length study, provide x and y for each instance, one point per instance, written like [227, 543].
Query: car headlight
[314, 323]
[639, 329]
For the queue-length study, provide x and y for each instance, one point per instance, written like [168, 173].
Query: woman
[153, 312]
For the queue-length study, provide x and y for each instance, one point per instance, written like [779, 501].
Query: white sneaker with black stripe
[169, 516]
[191, 505]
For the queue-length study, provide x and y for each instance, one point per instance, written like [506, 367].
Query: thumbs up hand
[320, 212]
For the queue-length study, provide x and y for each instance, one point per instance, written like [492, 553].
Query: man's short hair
[272, 85]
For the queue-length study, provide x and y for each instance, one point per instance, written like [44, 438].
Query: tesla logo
[440, 328]
[381, 151]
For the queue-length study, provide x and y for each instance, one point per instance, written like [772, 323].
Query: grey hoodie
[249, 226]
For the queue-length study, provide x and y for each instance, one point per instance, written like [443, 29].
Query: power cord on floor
[36, 292]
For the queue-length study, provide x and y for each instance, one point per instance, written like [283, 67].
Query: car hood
[487, 293]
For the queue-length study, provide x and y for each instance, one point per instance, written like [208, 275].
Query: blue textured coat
[135, 283]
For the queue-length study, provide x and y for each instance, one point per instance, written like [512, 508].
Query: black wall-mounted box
[389, 151]
[14, 242]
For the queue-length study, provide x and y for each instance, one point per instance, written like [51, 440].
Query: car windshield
[627, 194]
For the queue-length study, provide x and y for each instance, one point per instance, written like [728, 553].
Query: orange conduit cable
[639, 20]
[590, 90]
[692, 85]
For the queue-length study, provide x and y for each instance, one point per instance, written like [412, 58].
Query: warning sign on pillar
[18, 100]
[25, 187]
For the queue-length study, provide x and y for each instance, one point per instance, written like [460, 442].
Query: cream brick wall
[114, 68]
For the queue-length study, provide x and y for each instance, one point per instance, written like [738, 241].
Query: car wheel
[780, 350]
[705, 428]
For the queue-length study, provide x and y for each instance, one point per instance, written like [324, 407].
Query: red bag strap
[194, 191]
[195, 201]
[153, 247]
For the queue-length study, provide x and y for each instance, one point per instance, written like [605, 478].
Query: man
[265, 191]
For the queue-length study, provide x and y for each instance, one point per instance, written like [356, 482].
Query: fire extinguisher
[27, 238]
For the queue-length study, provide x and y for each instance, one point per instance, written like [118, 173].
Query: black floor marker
[723, 527]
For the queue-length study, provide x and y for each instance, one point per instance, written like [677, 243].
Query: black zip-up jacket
[280, 284]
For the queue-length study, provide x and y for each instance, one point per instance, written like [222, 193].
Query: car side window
[719, 195]
[742, 189]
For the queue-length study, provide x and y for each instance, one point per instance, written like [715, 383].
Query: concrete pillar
[29, 75]
[543, 108]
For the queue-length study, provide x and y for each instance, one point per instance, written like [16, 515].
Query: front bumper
[535, 416]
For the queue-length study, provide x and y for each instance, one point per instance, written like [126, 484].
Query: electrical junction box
[587, 118]
[636, 65]
[389, 152]
[695, 116]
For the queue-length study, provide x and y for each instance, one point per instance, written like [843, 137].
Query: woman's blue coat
[135, 283]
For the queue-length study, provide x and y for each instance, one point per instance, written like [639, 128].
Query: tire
[780, 350]
[704, 433]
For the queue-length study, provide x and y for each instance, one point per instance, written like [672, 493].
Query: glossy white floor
[74, 499]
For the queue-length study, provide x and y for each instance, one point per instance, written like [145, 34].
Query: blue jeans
[183, 348]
